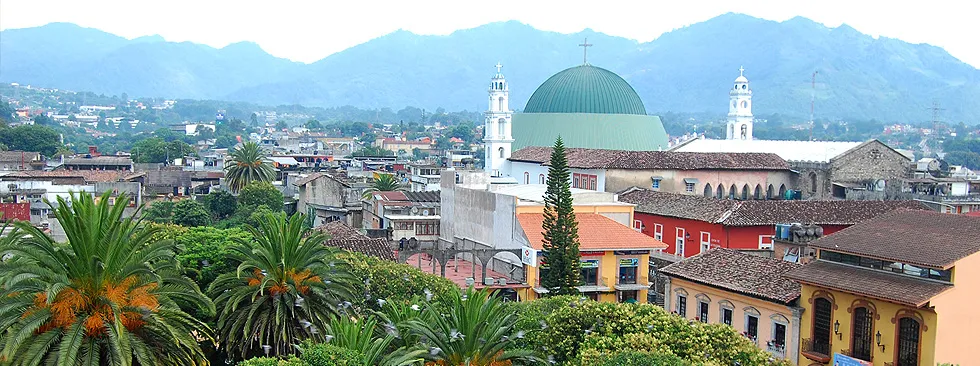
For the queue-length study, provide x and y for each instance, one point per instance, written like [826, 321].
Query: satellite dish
[415, 210]
[425, 212]
[880, 185]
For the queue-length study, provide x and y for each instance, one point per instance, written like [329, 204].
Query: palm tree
[383, 183]
[112, 294]
[247, 164]
[286, 289]
[362, 335]
[477, 330]
[63, 151]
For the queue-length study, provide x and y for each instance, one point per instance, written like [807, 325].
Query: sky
[307, 31]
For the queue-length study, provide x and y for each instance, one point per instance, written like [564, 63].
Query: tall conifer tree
[560, 229]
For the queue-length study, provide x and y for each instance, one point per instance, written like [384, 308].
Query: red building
[15, 211]
[690, 225]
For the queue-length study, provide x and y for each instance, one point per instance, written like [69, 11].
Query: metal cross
[585, 50]
[741, 70]
[498, 67]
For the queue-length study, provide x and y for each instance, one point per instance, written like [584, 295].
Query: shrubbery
[270, 361]
[391, 281]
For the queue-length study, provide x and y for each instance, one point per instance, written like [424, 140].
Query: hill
[686, 70]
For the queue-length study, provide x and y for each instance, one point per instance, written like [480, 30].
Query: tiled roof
[739, 272]
[100, 160]
[345, 237]
[925, 238]
[879, 284]
[595, 232]
[340, 230]
[430, 196]
[666, 160]
[760, 212]
[89, 176]
[19, 156]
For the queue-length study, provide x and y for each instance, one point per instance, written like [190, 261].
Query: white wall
[535, 170]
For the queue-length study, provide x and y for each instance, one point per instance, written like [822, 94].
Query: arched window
[758, 192]
[770, 192]
[813, 182]
[745, 132]
[501, 128]
[541, 178]
[527, 178]
[907, 352]
[500, 103]
[707, 190]
[501, 152]
[720, 192]
[861, 342]
[732, 192]
[745, 192]
[822, 324]
[782, 191]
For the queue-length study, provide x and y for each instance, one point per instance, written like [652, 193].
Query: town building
[21, 160]
[96, 161]
[895, 290]
[692, 225]
[423, 177]
[193, 129]
[590, 107]
[404, 217]
[746, 292]
[826, 169]
[38, 188]
[331, 196]
[724, 175]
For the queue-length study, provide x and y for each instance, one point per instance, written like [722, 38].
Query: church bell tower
[740, 109]
[497, 139]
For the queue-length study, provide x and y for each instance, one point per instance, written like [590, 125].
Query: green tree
[247, 164]
[158, 150]
[221, 204]
[313, 124]
[188, 212]
[111, 294]
[260, 193]
[560, 243]
[281, 125]
[42, 139]
[6, 113]
[43, 120]
[360, 335]
[287, 287]
[477, 329]
[253, 120]
[161, 212]
[383, 183]
[64, 151]
[204, 252]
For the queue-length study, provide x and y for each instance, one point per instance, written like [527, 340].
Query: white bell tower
[740, 109]
[497, 139]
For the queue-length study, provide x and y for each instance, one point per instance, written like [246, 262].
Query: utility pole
[935, 116]
[813, 98]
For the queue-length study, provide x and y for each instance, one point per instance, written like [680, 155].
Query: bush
[329, 355]
[631, 358]
[393, 281]
[203, 251]
[260, 193]
[188, 212]
[271, 361]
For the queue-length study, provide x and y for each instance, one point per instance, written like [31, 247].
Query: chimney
[93, 151]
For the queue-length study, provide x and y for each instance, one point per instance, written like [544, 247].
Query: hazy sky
[310, 30]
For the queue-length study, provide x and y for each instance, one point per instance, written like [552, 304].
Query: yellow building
[614, 257]
[897, 290]
[744, 291]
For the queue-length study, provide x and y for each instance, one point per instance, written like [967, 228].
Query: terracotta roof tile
[668, 160]
[88, 176]
[760, 212]
[595, 232]
[925, 238]
[739, 272]
[879, 284]
[340, 230]
[345, 237]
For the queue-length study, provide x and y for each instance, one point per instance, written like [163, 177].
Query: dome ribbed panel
[585, 89]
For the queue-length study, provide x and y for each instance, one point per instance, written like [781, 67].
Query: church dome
[741, 79]
[585, 89]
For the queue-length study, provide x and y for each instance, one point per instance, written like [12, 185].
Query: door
[861, 334]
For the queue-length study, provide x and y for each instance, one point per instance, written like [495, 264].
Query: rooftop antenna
[935, 116]
[813, 98]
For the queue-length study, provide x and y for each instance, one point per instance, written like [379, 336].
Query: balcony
[602, 285]
[632, 284]
[816, 351]
[776, 349]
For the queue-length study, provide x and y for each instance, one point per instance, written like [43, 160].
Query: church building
[588, 106]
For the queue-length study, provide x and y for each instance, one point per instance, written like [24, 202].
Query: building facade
[497, 137]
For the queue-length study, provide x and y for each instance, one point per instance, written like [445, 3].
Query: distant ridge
[686, 70]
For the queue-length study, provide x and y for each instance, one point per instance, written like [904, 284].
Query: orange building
[897, 290]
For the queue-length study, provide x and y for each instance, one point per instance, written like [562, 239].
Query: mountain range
[686, 70]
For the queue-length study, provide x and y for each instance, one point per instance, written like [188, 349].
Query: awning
[690, 180]
[657, 178]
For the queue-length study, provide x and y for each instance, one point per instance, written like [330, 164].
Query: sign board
[842, 360]
[629, 262]
[529, 256]
[631, 252]
[590, 263]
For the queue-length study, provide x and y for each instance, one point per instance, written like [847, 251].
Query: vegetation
[158, 150]
[560, 243]
[38, 138]
[221, 204]
[286, 288]
[161, 212]
[110, 295]
[383, 183]
[189, 212]
[204, 252]
[257, 194]
[247, 164]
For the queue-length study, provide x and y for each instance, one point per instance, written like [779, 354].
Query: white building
[740, 109]
[497, 136]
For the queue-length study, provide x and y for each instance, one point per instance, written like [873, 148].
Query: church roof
[585, 89]
[653, 160]
[816, 151]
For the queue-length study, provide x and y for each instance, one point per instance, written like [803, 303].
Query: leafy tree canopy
[42, 139]
[189, 212]
[260, 193]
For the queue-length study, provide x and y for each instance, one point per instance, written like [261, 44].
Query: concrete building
[423, 177]
[21, 160]
[405, 217]
[331, 196]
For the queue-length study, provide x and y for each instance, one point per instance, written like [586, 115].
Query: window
[593, 182]
[752, 326]
[703, 311]
[779, 334]
[758, 192]
[908, 342]
[656, 183]
[726, 316]
[895, 267]
[427, 228]
[638, 225]
[502, 123]
[584, 181]
[682, 305]
[658, 232]
[705, 241]
[540, 178]
[862, 333]
[708, 192]
[765, 242]
[590, 272]
[813, 182]
[500, 151]
[576, 180]
[821, 325]
[627, 270]
[527, 178]
[745, 192]
[689, 187]
[720, 191]
[679, 242]
[732, 192]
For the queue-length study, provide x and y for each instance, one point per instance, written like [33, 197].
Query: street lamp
[878, 340]
[837, 330]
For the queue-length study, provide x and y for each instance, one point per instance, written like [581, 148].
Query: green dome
[585, 89]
